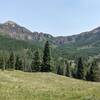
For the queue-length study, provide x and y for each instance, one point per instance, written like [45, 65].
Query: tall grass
[17, 85]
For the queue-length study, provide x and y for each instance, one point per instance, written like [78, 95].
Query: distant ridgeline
[16, 37]
[72, 56]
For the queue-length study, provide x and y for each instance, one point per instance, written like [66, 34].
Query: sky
[56, 17]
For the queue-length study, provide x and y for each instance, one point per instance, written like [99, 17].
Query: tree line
[83, 70]
[79, 68]
[17, 63]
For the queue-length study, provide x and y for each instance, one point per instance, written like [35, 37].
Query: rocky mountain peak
[9, 22]
[17, 31]
[96, 30]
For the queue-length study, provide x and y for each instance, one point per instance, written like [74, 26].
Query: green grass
[17, 85]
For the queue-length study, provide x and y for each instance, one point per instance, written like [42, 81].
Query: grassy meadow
[17, 85]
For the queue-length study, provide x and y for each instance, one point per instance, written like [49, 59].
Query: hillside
[18, 85]
[16, 37]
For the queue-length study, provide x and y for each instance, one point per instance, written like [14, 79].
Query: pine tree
[2, 63]
[80, 69]
[46, 67]
[94, 73]
[59, 70]
[67, 69]
[11, 61]
[35, 65]
[18, 63]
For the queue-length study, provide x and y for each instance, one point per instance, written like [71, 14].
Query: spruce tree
[80, 69]
[35, 65]
[94, 72]
[11, 61]
[67, 69]
[59, 70]
[2, 63]
[46, 67]
[18, 63]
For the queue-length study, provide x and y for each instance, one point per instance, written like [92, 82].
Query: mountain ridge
[13, 30]
[85, 43]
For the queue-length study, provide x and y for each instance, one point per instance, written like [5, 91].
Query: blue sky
[57, 17]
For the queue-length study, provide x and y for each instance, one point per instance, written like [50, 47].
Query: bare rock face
[16, 31]
[10, 23]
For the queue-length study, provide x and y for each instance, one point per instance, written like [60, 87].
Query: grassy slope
[18, 85]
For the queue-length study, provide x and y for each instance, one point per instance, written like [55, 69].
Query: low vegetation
[17, 85]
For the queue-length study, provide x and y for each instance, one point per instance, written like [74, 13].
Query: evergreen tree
[11, 61]
[59, 70]
[35, 65]
[18, 63]
[64, 68]
[46, 67]
[24, 60]
[94, 73]
[67, 69]
[80, 69]
[2, 63]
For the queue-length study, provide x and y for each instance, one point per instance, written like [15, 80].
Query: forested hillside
[72, 56]
[83, 44]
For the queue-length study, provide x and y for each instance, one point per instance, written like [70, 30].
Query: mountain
[16, 31]
[82, 38]
[85, 44]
